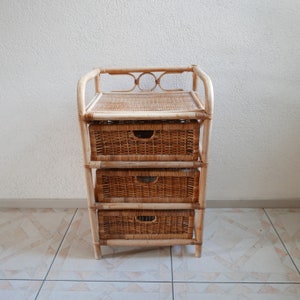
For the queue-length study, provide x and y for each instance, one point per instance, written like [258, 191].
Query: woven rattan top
[146, 105]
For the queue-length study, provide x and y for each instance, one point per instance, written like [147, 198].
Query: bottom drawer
[146, 224]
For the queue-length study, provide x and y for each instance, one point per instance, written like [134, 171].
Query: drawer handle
[143, 134]
[145, 219]
[147, 179]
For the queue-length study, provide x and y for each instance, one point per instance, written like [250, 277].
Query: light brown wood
[146, 206]
[199, 231]
[144, 115]
[208, 87]
[112, 107]
[148, 243]
[195, 81]
[92, 215]
[97, 84]
[81, 88]
[144, 164]
[146, 69]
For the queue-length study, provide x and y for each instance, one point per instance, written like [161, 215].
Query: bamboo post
[208, 88]
[97, 84]
[92, 213]
[195, 81]
[86, 150]
[209, 105]
[81, 86]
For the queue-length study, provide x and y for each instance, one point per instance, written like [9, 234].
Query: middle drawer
[147, 185]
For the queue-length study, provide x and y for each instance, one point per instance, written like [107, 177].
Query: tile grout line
[241, 282]
[172, 276]
[59, 246]
[282, 242]
[98, 281]
[152, 281]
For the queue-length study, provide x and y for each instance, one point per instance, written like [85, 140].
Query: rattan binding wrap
[147, 186]
[140, 141]
[146, 224]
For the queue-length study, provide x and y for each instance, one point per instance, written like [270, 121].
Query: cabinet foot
[97, 252]
[198, 250]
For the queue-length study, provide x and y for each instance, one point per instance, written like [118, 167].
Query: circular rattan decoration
[159, 83]
[138, 81]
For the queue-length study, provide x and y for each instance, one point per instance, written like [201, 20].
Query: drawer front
[145, 141]
[146, 224]
[147, 186]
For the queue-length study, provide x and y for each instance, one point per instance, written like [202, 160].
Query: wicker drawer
[145, 140]
[151, 185]
[146, 224]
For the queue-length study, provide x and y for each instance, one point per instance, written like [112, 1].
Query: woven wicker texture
[145, 141]
[134, 102]
[146, 224]
[148, 186]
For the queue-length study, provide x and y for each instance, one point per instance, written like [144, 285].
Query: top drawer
[145, 140]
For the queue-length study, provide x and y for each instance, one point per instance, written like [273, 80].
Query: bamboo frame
[148, 243]
[204, 112]
[145, 115]
[209, 106]
[144, 164]
[145, 206]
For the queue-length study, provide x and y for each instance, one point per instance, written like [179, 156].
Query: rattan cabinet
[145, 157]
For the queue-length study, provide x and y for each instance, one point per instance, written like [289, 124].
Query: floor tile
[287, 224]
[77, 290]
[230, 291]
[29, 239]
[18, 289]
[75, 260]
[240, 245]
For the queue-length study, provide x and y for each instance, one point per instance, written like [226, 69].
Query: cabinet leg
[198, 250]
[199, 232]
[97, 251]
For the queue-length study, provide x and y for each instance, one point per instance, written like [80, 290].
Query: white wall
[250, 48]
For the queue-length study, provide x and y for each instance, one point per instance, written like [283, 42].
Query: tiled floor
[247, 254]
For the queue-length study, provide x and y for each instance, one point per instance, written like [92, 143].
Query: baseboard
[43, 203]
[81, 203]
[272, 203]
